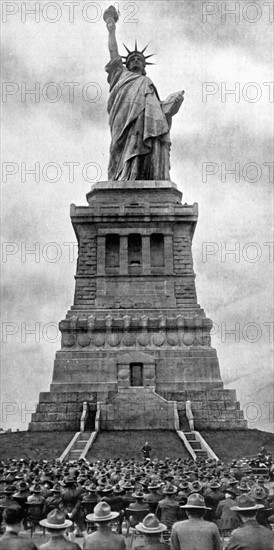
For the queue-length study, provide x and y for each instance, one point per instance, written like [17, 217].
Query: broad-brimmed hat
[92, 488]
[10, 489]
[35, 488]
[118, 489]
[233, 481]
[214, 484]
[244, 487]
[103, 480]
[56, 520]
[196, 486]
[154, 485]
[195, 500]
[261, 479]
[138, 494]
[151, 525]
[56, 488]
[102, 512]
[258, 493]
[245, 502]
[48, 482]
[107, 488]
[169, 489]
[128, 485]
[19, 476]
[184, 485]
[145, 482]
[22, 486]
[69, 480]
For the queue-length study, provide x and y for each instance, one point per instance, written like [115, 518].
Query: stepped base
[138, 408]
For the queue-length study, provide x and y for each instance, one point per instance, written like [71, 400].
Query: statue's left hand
[172, 103]
[179, 99]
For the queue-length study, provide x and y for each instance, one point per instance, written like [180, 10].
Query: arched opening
[112, 251]
[157, 252]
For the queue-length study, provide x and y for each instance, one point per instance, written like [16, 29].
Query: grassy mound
[128, 444]
[227, 444]
[33, 445]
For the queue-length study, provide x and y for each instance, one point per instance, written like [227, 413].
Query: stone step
[75, 453]
[196, 445]
[200, 452]
[190, 436]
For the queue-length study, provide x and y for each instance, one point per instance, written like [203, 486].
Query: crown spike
[145, 48]
[147, 56]
[128, 51]
[150, 63]
[136, 47]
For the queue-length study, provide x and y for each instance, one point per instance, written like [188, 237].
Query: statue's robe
[140, 141]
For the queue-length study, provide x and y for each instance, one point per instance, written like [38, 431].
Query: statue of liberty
[139, 121]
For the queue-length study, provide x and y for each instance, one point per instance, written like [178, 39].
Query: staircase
[196, 445]
[78, 446]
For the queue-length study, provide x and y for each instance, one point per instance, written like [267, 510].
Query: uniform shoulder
[16, 542]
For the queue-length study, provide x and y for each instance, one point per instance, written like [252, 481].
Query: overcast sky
[210, 133]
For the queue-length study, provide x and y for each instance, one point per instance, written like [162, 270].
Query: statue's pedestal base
[135, 323]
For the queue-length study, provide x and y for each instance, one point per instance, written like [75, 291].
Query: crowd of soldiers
[161, 489]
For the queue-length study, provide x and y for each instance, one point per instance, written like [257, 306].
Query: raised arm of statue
[111, 18]
[112, 43]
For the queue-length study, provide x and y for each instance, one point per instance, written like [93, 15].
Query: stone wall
[137, 409]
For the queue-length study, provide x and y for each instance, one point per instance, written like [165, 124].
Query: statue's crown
[126, 58]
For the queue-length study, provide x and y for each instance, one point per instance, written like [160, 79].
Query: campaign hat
[151, 525]
[56, 520]
[195, 500]
[102, 513]
[245, 502]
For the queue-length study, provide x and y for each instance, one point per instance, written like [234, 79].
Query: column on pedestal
[146, 255]
[168, 244]
[124, 255]
[101, 255]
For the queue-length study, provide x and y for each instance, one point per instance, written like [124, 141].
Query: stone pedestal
[135, 328]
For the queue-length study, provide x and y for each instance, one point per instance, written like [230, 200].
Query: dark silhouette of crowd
[165, 501]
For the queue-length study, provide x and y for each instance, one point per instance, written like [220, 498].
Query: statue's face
[136, 64]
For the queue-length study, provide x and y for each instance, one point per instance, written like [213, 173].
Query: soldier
[251, 535]
[54, 500]
[152, 529]
[168, 508]
[57, 525]
[104, 537]
[11, 540]
[195, 533]
[154, 496]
